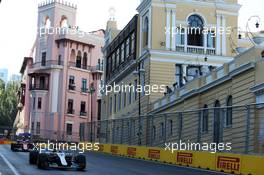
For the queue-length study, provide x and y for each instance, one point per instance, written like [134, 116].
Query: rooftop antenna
[112, 12]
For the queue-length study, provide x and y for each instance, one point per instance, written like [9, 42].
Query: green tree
[8, 103]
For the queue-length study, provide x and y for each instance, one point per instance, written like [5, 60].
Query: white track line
[9, 165]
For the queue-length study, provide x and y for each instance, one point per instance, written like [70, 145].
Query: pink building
[61, 84]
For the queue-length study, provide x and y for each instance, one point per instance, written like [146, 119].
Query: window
[127, 47]
[85, 60]
[84, 85]
[70, 106]
[39, 103]
[122, 52]
[205, 119]
[145, 32]
[119, 100]
[162, 130]
[79, 60]
[130, 94]
[117, 57]
[124, 99]
[32, 126]
[153, 132]
[133, 40]
[83, 109]
[262, 54]
[135, 92]
[115, 103]
[211, 39]
[43, 58]
[113, 62]
[179, 75]
[229, 111]
[42, 82]
[111, 105]
[59, 60]
[38, 128]
[170, 128]
[72, 83]
[180, 35]
[34, 102]
[195, 34]
[81, 131]
[193, 72]
[69, 129]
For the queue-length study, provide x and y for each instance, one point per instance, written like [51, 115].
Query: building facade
[168, 53]
[64, 77]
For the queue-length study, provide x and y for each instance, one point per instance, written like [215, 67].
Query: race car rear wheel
[33, 157]
[81, 161]
[43, 161]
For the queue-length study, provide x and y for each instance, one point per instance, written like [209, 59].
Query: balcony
[71, 111]
[48, 63]
[98, 67]
[41, 87]
[72, 87]
[83, 113]
[196, 50]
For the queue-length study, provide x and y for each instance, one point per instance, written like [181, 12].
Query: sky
[18, 23]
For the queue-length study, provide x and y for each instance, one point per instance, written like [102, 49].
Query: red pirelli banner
[184, 158]
[114, 149]
[154, 154]
[131, 151]
[228, 163]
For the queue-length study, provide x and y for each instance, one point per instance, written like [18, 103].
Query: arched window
[79, 60]
[195, 30]
[229, 111]
[205, 119]
[145, 32]
[72, 56]
[47, 22]
[64, 22]
[85, 60]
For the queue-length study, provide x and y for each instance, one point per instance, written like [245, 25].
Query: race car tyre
[33, 157]
[43, 161]
[13, 147]
[81, 161]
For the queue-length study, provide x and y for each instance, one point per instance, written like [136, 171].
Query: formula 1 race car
[22, 143]
[45, 159]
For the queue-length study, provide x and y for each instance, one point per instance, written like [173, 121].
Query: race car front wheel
[33, 157]
[43, 161]
[80, 160]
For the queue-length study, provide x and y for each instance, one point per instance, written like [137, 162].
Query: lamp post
[140, 71]
[91, 92]
[257, 24]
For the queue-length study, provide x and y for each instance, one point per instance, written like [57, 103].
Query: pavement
[16, 163]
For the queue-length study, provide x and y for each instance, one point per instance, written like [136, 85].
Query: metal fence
[241, 126]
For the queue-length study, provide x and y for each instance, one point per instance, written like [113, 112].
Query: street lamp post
[138, 73]
[91, 92]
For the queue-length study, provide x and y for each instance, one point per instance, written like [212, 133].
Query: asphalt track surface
[16, 163]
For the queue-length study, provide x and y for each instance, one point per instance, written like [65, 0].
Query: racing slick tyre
[81, 161]
[43, 161]
[33, 157]
[13, 147]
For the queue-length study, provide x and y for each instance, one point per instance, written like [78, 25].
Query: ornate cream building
[166, 50]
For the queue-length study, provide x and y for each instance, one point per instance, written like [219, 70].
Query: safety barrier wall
[223, 162]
